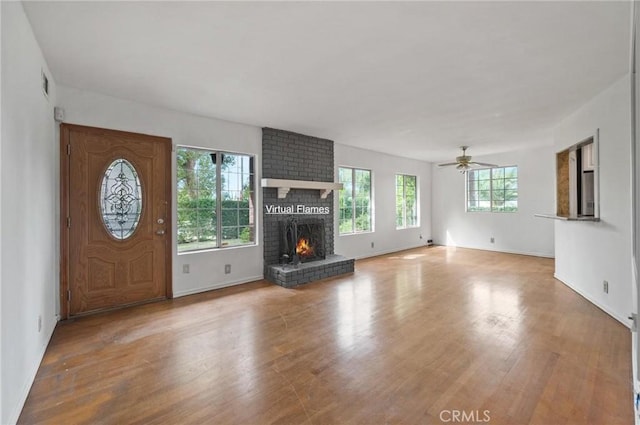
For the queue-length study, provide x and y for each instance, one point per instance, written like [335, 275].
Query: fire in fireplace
[304, 248]
[302, 240]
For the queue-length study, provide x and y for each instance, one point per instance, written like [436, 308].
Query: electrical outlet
[493, 240]
[372, 244]
[185, 268]
[227, 268]
[605, 286]
[39, 323]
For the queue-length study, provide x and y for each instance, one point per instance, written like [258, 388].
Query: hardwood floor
[418, 337]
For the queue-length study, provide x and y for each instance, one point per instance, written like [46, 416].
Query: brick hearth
[290, 275]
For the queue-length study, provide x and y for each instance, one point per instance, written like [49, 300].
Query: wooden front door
[115, 221]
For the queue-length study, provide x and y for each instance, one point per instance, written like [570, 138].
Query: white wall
[28, 259]
[385, 237]
[635, 187]
[206, 268]
[1, 333]
[519, 232]
[588, 253]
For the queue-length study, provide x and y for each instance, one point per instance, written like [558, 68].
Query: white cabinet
[588, 159]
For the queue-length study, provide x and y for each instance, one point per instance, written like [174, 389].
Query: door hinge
[68, 150]
[68, 221]
[634, 322]
[68, 294]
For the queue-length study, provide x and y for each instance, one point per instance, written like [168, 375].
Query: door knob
[160, 232]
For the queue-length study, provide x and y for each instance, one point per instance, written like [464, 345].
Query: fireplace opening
[302, 240]
[304, 248]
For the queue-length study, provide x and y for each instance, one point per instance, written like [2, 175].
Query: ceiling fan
[463, 163]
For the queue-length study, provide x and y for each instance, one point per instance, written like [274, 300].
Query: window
[493, 189]
[406, 201]
[121, 199]
[355, 200]
[215, 199]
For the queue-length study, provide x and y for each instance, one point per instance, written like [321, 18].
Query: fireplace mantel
[284, 186]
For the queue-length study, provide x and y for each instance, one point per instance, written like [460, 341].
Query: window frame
[353, 197]
[491, 179]
[404, 201]
[219, 243]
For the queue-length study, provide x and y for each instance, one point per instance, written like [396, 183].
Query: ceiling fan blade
[483, 164]
[447, 164]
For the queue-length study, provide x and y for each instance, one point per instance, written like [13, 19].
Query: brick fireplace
[299, 228]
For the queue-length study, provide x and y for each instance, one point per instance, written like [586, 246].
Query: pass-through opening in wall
[577, 180]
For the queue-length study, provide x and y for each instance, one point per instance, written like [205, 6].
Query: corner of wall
[518, 232]
[28, 241]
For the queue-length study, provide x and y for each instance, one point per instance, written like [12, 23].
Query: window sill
[492, 212]
[368, 232]
[221, 249]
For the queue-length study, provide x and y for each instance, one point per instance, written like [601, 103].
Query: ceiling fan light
[462, 168]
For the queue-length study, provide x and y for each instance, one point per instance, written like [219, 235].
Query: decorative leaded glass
[121, 199]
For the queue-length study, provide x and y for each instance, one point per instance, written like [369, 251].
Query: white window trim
[219, 226]
[491, 210]
[404, 206]
[353, 188]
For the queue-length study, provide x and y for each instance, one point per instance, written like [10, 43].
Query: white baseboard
[388, 251]
[26, 387]
[178, 294]
[589, 298]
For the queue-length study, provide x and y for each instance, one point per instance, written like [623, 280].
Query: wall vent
[45, 84]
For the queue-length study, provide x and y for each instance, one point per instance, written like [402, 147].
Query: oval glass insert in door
[121, 199]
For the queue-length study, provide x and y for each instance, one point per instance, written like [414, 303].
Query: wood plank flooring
[418, 337]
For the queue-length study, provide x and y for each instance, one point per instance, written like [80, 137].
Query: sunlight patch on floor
[407, 257]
